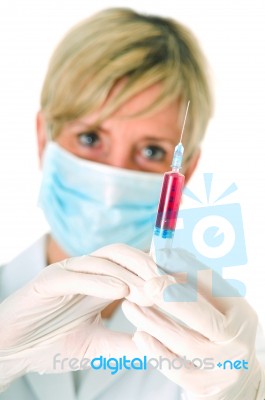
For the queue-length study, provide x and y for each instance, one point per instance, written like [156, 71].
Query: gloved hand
[58, 315]
[189, 322]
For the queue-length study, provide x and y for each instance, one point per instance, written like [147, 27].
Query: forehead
[137, 104]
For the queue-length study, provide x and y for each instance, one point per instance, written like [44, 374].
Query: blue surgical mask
[89, 205]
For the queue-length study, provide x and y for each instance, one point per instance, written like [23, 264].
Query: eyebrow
[159, 139]
[98, 126]
[86, 125]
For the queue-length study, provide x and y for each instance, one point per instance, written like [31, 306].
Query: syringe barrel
[169, 203]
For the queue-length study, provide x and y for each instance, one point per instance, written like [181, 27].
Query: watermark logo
[208, 236]
[115, 365]
[212, 232]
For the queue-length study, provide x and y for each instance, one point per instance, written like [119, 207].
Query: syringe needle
[184, 122]
[179, 149]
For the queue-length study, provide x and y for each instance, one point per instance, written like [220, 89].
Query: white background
[232, 35]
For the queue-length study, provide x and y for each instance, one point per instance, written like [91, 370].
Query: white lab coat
[88, 384]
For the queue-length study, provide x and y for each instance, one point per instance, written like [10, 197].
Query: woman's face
[138, 143]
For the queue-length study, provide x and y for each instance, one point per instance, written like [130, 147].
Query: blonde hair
[118, 43]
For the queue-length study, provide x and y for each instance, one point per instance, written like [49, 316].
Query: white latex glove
[220, 328]
[59, 312]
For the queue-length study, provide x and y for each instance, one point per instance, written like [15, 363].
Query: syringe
[169, 202]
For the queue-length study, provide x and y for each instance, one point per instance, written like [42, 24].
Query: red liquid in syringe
[169, 204]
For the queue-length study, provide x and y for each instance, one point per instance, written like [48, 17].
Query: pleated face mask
[89, 205]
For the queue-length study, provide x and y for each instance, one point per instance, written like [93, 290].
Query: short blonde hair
[117, 43]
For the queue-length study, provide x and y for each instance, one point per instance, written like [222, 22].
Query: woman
[112, 107]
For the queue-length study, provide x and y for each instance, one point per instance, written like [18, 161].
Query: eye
[154, 153]
[90, 139]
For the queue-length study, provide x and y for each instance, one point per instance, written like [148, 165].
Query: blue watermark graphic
[115, 365]
[213, 233]
[208, 236]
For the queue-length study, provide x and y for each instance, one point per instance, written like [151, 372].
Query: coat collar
[23, 268]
